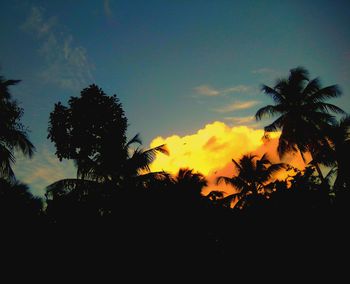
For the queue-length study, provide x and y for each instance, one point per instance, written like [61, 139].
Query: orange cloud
[210, 150]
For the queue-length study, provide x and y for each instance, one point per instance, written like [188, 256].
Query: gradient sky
[175, 65]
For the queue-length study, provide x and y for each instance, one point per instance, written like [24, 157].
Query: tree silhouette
[303, 114]
[92, 132]
[13, 134]
[17, 204]
[251, 180]
[190, 182]
[336, 154]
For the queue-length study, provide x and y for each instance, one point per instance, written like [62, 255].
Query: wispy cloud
[237, 106]
[267, 72]
[241, 120]
[43, 169]
[107, 8]
[66, 64]
[263, 71]
[206, 90]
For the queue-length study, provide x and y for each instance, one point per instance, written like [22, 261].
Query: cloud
[237, 89]
[267, 73]
[241, 120]
[206, 90]
[43, 169]
[210, 150]
[107, 8]
[237, 106]
[37, 24]
[200, 150]
[263, 71]
[66, 64]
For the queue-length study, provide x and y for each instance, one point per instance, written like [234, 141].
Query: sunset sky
[188, 73]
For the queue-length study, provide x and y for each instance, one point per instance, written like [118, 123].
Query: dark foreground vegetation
[116, 207]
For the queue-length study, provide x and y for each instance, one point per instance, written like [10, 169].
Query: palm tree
[190, 182]
[93, 174]
[13, 134]
[336, 154]
[303, 114]
[252, 178]
[340, 139]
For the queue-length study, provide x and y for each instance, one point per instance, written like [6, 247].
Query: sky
[186, 69]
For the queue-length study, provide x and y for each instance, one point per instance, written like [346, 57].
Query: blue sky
[175, 65]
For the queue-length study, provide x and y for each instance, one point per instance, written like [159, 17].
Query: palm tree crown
[303, 114]
[13, 134]
[252, 176]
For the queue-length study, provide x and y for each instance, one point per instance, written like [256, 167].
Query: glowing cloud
[210, 150]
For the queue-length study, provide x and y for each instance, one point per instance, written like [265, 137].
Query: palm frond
[19, 140]
[276, 125]
[154, 176]
[237, 165]
[214, 195]
[4, 84]
[227, 201]
[65, 186]
[267, 111]
[226, 180]
[135, 140]
[273, 169]
[276, 96]
[237, 182]
[312, 87]
[6, 160]
[285, 145]
[326, 107]
[298, 74]
[325, 93]
[142, 159]
[264, 160]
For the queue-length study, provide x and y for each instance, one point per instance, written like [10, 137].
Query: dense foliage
[117, 203]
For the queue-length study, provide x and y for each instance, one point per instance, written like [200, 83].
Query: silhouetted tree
[190, 182]
[17, 204]
[92, 132]
[337, 154]
[13, 134]
[251, 179]
[303, 114]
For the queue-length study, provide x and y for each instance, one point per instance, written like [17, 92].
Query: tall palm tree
[253, 176]
[303, 114]
[13, 134]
